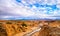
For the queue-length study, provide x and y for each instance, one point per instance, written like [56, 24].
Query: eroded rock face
[10, 28]
[49, 31]
[54, 31]
[3, 31]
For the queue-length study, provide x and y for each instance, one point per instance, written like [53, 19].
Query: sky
[29, 9]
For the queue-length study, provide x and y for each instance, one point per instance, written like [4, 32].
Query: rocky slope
[21, 27]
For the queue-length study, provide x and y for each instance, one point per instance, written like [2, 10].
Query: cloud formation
[10, 9]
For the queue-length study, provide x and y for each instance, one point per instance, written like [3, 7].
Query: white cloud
[10, 7]
[58, 1]
[58, 5]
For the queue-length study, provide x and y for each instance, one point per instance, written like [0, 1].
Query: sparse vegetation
[11, 28]
[8, 23]
[24, 25]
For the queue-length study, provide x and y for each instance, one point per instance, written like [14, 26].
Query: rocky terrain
[22, 27]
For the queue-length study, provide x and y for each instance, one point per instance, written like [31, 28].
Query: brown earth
[21, 27]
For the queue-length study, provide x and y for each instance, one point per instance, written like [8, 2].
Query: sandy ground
[32, 25]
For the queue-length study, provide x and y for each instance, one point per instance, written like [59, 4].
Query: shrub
[8, 23]
[24, 25]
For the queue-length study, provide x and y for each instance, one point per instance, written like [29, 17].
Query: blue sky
[32, 9]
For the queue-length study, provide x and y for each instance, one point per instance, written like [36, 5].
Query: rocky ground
[22, 27]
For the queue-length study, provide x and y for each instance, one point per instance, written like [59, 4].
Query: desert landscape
[29, 28]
